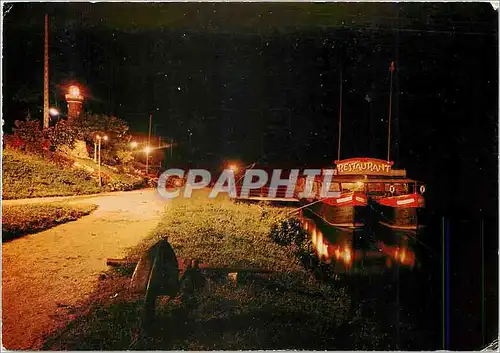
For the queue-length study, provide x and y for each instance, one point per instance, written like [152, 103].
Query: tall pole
[340, 116]
[46, 75]
[149, 135]
[163, 152]
[391, 69]
[100, 181]
[95, 151]
[149, 143]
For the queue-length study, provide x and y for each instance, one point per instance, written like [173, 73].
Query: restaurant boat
[394, 200]
[370, 191]
[347, 210]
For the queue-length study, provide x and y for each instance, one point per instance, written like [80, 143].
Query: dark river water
[411, 284]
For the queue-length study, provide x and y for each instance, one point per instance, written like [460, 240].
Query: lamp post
[95, 148]
[99, 138]
[147, 149]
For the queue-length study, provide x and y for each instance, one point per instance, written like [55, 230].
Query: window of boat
[376, 187]
[399, 188]
[334, 187]
[349, 187]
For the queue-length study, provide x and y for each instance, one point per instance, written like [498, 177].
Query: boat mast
[391, 69]
[340, 116]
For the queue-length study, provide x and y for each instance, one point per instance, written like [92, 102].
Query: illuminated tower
[75, 102]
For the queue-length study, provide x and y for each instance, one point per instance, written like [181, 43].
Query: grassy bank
[18, 220]
[222, 233]
[286, 309]
[25, 176]
[114, 181]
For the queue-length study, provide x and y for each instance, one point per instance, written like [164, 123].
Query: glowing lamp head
[147, 149]
[53, 112]
[133, 144]
[105, 138]
[74, 91]
[233, 167]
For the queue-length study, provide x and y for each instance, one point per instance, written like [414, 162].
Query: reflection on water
[392, 277]
[360, 251]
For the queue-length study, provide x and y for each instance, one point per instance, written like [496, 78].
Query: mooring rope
[307, 205]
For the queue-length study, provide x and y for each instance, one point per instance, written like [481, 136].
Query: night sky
[260, 82]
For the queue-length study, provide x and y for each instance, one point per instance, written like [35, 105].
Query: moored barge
[370, 191]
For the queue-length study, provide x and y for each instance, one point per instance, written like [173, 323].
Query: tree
[88, 125]
[115, 150]
[124, 156]
[62, 135]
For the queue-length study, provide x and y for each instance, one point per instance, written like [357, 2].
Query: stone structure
[75, 102]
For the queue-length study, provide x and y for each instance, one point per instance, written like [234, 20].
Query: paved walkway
[45, 272]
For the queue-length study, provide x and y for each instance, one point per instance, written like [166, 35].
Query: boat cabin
[373, 177]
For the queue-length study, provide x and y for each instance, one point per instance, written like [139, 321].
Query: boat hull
[342, 212]
[399, 213]
[399, 218]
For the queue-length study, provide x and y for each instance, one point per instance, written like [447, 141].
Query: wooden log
[121, 263]
[205, 267]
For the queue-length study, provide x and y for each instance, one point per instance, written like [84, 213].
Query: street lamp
[147, 149]
[133, 144]
[53, 111]
[233, 167]
[99, 138]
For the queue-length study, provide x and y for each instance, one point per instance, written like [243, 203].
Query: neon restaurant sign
[368, 166]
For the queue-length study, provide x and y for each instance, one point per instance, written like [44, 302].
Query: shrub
[13, 141]
[61, 135]
[28, 131]
[287, 232]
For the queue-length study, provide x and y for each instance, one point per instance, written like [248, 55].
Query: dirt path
[45, 273]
